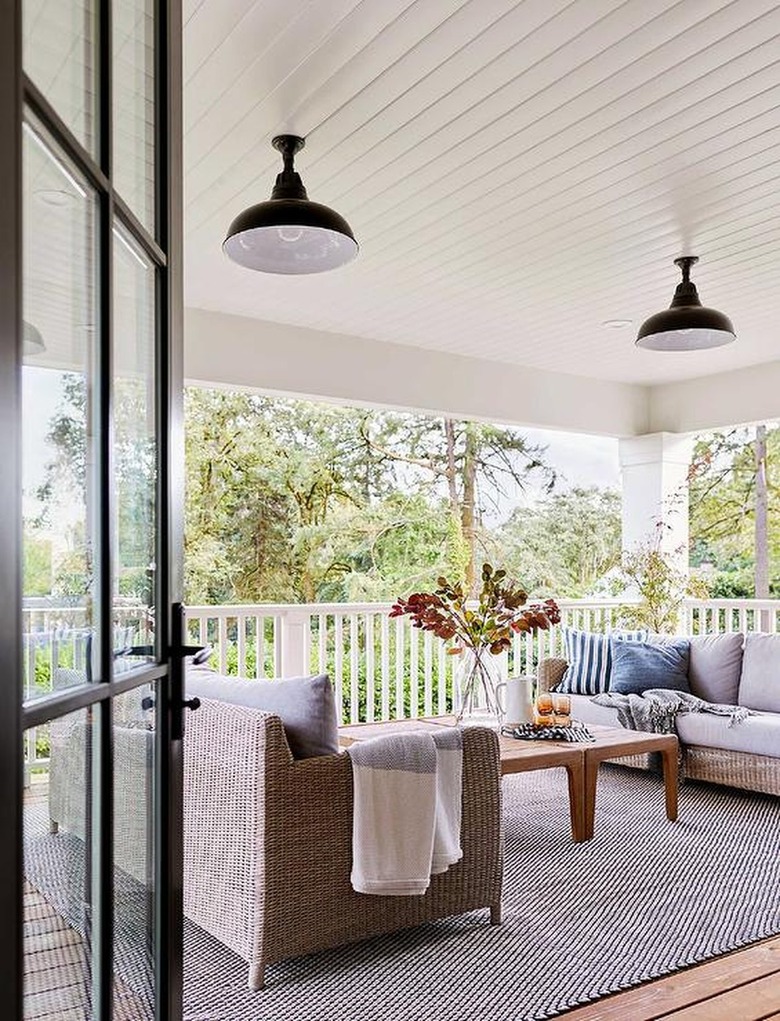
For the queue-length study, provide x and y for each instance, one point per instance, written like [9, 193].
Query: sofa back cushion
[716, 667]
[759, 686]
[590, 659]
[640, 666]
[305, 705]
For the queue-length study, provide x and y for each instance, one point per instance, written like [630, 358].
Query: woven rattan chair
[742, 770]
[268, 842]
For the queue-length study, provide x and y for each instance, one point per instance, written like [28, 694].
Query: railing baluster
[322, 644]
[354, 660]
[441, 703]
[222, 645]
[307, 645]
[368, 632]
[278, 636]
[259, 647]
[241, 640]
[428, 673]
[385, 654]
[338, 662]
[400, 656]
[414, 673]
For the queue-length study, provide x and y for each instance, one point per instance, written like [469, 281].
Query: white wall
[235, 351]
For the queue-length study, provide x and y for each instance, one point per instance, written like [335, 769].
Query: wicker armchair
[267, 842]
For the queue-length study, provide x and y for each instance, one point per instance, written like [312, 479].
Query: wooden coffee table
[613, 743]
[581, 761]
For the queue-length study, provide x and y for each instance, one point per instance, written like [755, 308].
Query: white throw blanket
[407, 810]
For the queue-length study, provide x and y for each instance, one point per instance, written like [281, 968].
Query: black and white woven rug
[644, 898]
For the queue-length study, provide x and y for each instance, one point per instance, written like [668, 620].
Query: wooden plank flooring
[741, 986]
[57, 969]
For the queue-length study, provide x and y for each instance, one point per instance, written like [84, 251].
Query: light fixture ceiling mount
[686, 325]
[289, 233]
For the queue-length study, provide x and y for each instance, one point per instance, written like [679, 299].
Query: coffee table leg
[589, 800]
[669, 756]
[576, 776]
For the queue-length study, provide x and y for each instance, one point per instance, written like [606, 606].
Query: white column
[654, 471]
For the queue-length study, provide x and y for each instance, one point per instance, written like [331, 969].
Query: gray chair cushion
[305, 705]
[759, 686]
[758, 735]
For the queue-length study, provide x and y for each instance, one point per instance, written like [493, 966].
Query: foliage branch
[500, 613]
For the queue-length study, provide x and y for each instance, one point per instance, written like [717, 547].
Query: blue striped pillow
[590, 659]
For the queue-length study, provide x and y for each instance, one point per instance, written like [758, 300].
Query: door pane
[134, 110]
[59, 38]
[135, 453]
[134, 855]
[58, 870]
[58, 427]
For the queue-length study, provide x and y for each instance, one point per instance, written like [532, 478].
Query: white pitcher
[516, 697]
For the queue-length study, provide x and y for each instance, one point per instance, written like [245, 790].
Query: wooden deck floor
[57, 968]
[741, 986]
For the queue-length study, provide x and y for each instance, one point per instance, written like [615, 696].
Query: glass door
[90, 512]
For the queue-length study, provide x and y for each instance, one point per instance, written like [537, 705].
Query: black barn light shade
[289, 233]
[686, 325]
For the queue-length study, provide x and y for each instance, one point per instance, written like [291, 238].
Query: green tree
[565, 545]
[37, 564]
[472, 463]
[736, 479]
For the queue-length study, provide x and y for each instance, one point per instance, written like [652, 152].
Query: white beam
[236, 351]
[739, 397]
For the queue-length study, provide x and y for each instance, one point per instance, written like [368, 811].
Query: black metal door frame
[165, 253]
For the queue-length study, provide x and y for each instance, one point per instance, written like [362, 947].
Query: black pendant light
[686, 325]
[289, 233]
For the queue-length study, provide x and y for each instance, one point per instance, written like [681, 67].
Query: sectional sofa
[734, 669]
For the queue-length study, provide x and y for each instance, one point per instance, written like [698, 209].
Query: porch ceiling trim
[225, 350]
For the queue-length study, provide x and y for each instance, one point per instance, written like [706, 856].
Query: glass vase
[476, 676]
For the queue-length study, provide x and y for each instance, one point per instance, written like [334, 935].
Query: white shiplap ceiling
[516, 171]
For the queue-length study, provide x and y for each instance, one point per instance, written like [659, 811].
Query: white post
[294, 644]
[655, 470]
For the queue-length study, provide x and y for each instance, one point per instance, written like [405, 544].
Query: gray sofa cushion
[305, 705]
[716, 666]
[759, 686]
[583, 708]
[758, 735]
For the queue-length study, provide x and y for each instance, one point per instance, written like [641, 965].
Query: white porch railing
[383, 668]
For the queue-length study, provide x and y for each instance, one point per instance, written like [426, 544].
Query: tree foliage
[723, 509]
[289, 500]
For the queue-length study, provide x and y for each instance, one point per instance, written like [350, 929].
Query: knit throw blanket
[407, 810]
[656, 710]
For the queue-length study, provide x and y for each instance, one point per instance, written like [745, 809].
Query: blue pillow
[639, 666]
[589, 656]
